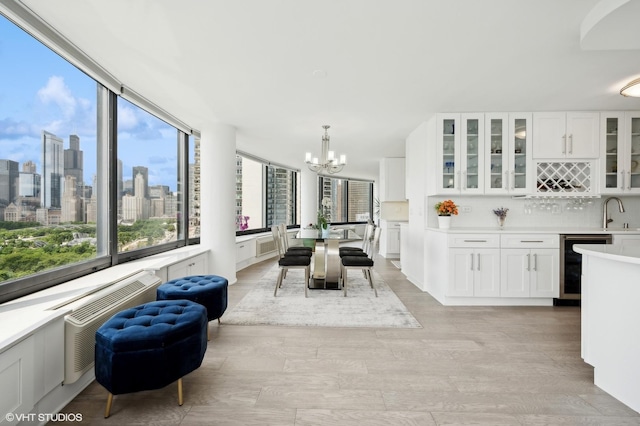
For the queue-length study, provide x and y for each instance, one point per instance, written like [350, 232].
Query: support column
[308, 196]
[218, 197]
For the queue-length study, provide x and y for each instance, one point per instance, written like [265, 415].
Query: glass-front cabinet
[620, 145]
[508, 153]
[460, 152]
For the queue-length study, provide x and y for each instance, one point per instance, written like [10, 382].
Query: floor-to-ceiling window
[48, 159]
[87, 178]
[266, 194]
[350, 200]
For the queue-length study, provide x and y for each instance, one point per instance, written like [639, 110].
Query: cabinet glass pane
[520, 146]
[635, 153]
[613, 146]
[472, 153]
[497, 163]
[448, 153]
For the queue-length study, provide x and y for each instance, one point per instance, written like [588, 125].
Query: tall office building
[52, 161]
[144, 171]
[73, 163]
[72, 210]
[280, 203]
[9, 176]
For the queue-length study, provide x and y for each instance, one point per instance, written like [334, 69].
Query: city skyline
[61, 100]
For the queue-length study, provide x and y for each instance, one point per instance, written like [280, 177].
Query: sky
[41, 91]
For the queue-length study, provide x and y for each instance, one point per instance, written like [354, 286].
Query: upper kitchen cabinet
[460, 153]
[620, 152]
[508, 153]
[392, 179]
[560, 135]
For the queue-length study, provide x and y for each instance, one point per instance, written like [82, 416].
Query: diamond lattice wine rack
[564, 178]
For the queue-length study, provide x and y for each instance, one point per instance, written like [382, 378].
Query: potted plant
[445, 210]
[502, 215]
[324, 215]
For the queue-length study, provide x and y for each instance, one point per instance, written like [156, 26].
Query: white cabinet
[196, 265]
[460, 153]
[508, 147]
[530, 265]
[245, 250]
[390, 239]
[561, 135]
[392, 179]
[620, 153]
[474, 265]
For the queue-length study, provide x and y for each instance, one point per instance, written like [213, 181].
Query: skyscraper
[144, 171]
[73, 163]
[52, 170]
[8, 182]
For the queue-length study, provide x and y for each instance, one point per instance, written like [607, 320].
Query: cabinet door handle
[512, 182]
[571, 144]
[622, 179]
[531, 241]
[478, 261]
[564, 144]
[528, 262]
[629, 180]
[535, 262]
[471, 261]
[463, 180]
[475, 241]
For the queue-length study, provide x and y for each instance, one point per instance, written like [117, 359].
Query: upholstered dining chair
[290, 262]
[364, 263]
[366, 242]
[288, 251]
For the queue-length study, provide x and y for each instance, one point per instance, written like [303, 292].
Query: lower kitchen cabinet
[474, 272]
[530, 266]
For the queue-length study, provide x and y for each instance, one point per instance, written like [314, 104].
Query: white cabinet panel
[195, 265]
[561, 135]
[17, 379]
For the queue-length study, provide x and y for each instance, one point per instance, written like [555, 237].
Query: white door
[583, 135]
[545, 273]
[461, 272]
[487, 273]
[549, 129]
[515, 268]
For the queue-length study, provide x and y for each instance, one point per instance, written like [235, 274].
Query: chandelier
[328, 162]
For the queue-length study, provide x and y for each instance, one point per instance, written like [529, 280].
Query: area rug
[323, 308]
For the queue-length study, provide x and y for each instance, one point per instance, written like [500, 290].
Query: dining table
[326, 257]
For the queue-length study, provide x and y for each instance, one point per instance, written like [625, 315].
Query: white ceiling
[389, 64]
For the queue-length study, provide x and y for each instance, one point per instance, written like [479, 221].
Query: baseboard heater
[92, 310]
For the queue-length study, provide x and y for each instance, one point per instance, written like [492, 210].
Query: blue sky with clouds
[41, 91]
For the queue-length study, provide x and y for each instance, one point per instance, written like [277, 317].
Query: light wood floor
[467, 365]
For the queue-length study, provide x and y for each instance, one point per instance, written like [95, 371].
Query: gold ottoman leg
[180, 391]
[107, 411]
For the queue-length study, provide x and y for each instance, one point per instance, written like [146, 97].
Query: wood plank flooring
[467, 365]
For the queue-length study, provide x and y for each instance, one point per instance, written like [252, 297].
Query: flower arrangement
[324, 213]
[501, 212]
[446, 208]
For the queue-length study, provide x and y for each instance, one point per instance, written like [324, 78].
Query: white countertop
[537, 230]
[618, 252]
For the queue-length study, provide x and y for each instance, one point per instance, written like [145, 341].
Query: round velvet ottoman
[207, 290]
[150, 346]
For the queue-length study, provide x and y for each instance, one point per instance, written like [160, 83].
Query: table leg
[332, 275]
[317, 280]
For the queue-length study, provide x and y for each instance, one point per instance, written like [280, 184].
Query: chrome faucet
[605, 213]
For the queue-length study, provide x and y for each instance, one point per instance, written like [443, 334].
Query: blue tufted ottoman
[207, 290]
[150, 346]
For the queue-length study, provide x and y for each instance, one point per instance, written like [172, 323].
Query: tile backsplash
[567, 212]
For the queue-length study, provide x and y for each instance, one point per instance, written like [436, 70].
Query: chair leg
[278, 281]
[306, 281]
[344, 281]
[107, 411]
[368, 273]
[180, 401]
